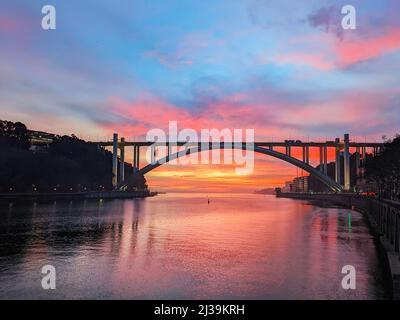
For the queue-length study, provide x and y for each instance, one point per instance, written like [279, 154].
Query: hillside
[55, 163]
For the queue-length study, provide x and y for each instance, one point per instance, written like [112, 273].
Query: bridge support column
[135, 166]
[153, 154]
[337, 160]
[346, 162]
[136, 152]
[115, 160]
[134, 158]
[288, 151]
[122, 160]
[325, 160]
[307, 154]
[137, 157]
[321, 159]
[364, 155]
[357, 161]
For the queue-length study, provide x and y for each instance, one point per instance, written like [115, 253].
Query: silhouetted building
[301, 184]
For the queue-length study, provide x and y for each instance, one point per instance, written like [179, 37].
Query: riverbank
[79, 195]
[383, 217]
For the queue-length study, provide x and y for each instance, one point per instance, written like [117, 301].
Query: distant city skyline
[283, 68]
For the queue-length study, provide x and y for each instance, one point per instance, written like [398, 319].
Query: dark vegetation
[383, 170]
[64, 164]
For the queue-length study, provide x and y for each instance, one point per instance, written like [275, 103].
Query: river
[179, 246]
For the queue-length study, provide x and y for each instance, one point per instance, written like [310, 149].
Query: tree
[14, 134]
[68, 163]
[384, 169]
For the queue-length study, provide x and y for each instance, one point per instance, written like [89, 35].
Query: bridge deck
[258, 144]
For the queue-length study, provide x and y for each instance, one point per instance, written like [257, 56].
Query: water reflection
[179, 246]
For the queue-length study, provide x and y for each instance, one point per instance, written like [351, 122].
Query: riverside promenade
[383, 217]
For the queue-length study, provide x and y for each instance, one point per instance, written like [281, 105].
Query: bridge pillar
[134, 158]
[153, 153]
[337, 161]
[307, 154]
[357, 161]
[346, 162]
[136, 152]
[122, 160]
[325, 160]
[321, 159]
[304, 154]
[364, 155]
[115, 160]
[288, 150]
[137, 157]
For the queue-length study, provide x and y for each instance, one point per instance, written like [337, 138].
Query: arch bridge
[342, 149]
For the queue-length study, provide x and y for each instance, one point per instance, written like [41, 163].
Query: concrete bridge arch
[334, 186]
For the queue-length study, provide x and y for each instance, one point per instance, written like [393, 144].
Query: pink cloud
[273, 115]
[8, 24]
[278, 120]
[137, 117]
[356, 50]
[357, 110]
[317, 61]
[326, 51]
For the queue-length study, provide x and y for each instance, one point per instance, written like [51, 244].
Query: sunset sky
[284, 68]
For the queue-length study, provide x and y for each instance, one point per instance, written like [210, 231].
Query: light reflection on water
[177, 246]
